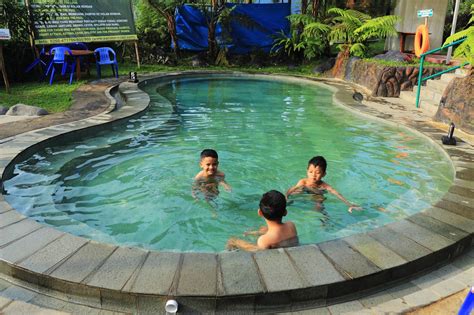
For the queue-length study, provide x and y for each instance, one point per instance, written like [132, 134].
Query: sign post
[4, 35]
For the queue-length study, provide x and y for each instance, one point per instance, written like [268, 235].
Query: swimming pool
[131, 184]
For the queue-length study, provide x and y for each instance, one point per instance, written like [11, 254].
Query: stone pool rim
[283, 279]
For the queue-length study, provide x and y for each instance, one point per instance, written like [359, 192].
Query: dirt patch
[88, 100]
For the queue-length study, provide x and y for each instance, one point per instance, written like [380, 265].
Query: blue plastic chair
[60, 54]
[102, 57]
[41, 60]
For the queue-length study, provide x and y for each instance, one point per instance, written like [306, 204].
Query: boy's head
[209, 161]
[316, 168]
[273, 205]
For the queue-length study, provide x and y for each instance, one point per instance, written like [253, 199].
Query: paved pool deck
[335, 276]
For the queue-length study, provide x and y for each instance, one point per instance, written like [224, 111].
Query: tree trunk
[4, 71]
[172, 30]
[350, 4]
[304, 6]
[315, 8]
[341, 58]
[211, 38]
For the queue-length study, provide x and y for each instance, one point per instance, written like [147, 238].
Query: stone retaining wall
[383, 80]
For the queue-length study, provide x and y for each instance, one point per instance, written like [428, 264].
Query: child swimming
[314, 184]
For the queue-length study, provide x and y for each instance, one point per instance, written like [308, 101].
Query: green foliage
[466, 48]
[352, 29]
[307, 37]
[15, 17]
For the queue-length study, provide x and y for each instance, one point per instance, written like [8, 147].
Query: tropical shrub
[351, 30]
[466, 48]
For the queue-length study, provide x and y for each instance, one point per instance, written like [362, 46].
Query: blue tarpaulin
[270, 19]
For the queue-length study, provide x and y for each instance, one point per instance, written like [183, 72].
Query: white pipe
[171, 307]
[453, 30]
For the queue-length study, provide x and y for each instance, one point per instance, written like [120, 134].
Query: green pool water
[131, 184]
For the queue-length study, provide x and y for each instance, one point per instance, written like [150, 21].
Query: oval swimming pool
[131, 184]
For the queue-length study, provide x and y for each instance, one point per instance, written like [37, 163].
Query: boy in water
[314, 184]
[209, 178]
[276, 234]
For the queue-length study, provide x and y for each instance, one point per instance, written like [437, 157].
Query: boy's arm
[295, 188]
[235, 243]
[341, 197]
[262, 230]
[224, 183]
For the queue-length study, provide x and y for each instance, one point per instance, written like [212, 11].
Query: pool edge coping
[263, 290]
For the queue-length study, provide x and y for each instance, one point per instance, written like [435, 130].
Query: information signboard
[85, 21]
[425, 13]
[5, 34]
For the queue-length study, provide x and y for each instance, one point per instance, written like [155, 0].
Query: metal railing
[422, 60]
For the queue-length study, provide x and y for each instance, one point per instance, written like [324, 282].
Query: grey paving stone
[48, 302]
[4, 302]
[15, 231]
[9, 217]
[377, 253]
[461, 191]
[157, 273]
[4, 206]
[402, 289]
[376, 299]
[53, 253]
[465, 277]
[315, 311]
[240, 305]
[352, 263]
[457, 208]
[464, 200]
[451, 218]
[19, 307]
[438, 227]
[463, 183]
[26, 246]
[117, 301]
[427, 280]
[124, 259]
[463, 262]
[18, 293]
[313, 266]
[198, 275]
[274, 302]
[403, 246]
[151, 305]
[465, 174]
[239, 273]
[77, 267]
[421, 298]
[270, 263]
[420, 235]
[397, 306]
[192, 305]
[448, 271]
[4, 284]
[77, 309]
[352, 306]
[447, 287]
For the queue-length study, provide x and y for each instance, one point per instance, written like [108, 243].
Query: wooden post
[136, 53]
[4, 71]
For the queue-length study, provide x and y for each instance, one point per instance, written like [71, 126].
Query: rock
[26, 110]
[457, 104]
[325, 66]
[392, 55]
[349, 66]
[292, 67]
[199, 61]
[3, 110]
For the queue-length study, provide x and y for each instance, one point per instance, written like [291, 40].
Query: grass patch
[414, 63]
[54, 98]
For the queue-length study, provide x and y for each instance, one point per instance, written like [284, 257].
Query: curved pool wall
[137, 280]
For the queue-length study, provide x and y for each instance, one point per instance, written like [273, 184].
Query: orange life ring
[422, 40]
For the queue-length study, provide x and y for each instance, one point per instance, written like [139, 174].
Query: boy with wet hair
[209, 178]
[313, 183]
[276, 234]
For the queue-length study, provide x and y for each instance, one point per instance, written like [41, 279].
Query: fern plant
[352, 29]
[466, 48]
[307, 38]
